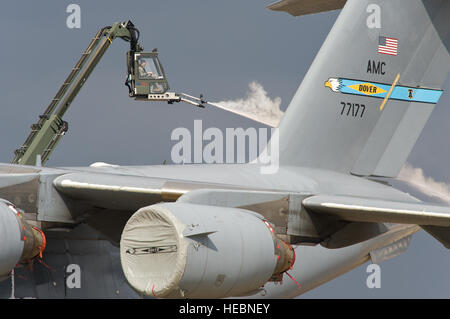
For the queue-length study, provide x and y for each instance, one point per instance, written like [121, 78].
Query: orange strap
[294, 280]
[44, 241]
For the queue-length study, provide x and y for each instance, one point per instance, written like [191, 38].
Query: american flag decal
[388, 45]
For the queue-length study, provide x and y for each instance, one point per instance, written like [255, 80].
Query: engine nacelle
[19, 242]
[180, 250]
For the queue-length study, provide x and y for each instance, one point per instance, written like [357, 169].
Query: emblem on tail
[379, 90]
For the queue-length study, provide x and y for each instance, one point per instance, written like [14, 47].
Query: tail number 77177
[353, 109]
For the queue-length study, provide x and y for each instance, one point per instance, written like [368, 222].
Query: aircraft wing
[434, 219]
[118, 191]
[123, 192]
[115, 191]
[356, 209]
[157, 214]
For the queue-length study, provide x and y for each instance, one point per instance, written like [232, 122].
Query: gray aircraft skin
[342, 141]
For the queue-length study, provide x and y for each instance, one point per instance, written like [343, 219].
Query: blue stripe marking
[399, 93]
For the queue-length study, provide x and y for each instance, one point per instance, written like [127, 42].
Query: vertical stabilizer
[371, 88]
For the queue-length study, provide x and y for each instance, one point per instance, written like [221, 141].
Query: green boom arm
[50, 128]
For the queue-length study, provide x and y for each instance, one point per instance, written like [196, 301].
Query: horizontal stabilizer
[358, 209]
[303, 7]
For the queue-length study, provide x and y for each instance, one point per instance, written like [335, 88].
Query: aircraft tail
[371, 88]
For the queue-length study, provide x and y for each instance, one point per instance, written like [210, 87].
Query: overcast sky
[206, 46]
